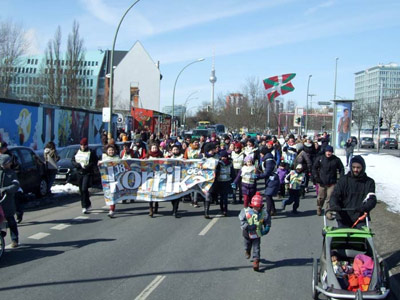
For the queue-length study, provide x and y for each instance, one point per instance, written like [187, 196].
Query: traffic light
[380, 122]
[238, 110]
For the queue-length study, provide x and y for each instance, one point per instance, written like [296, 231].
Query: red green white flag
[278, 85]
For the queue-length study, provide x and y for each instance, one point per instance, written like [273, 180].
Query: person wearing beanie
[324, 171]
[268, 173]
[295, 179]
[9, 186]
[246, 177]
[84, 160]
[237, 156]
[110, 155]
[355, 190]
[255, 222]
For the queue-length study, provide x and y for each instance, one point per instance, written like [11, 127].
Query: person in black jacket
[85, 160]
[354, 190]
[325, 171]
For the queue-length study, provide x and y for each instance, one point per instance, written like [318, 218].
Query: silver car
[367, 142]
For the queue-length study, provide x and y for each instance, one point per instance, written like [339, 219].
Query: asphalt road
[66, 255]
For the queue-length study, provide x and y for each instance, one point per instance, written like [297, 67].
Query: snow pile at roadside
[384, 169]
[65, 189]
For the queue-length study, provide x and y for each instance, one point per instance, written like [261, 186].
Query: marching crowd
[286, 169]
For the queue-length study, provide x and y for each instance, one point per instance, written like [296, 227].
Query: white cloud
[323, 5]
[31, 40]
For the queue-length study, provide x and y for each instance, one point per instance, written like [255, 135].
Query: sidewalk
[385, 225]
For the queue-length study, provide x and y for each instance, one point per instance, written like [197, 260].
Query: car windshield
[67, 152]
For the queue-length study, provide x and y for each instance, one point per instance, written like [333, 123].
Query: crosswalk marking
[209, 225]
[60, 226]
[38, 236]
[150, 288]
[81, 218]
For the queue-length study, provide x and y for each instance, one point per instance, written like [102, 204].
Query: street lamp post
[173, 94]
[110, 96]
[334, 90]
[308, 88]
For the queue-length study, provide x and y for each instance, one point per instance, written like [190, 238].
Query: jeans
[12, 224]
[348, 158]
[83, 181]
[252, 243]
[294, 197]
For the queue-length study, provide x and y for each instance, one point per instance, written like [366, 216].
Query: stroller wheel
[314, 282]
[2, 245]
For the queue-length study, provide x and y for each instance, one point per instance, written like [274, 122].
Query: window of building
[97, 63]
[29, 61]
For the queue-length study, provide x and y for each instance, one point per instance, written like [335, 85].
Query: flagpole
[308, 88]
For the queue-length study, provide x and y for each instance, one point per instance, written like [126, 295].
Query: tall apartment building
[367, 82]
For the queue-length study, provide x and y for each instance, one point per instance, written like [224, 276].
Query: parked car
[389, 143]
[31, 172]
[367, 142]
[67, 173]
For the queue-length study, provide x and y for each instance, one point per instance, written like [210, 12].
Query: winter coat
[325, 170]
[282, 174]
[86, 168]
[253, 221]
[8, 186]
[51, 158]
[249, 187]
[304, 159]
[269, 175]
[350, 192]
[289, 155]
[296, 180]
[350, 147]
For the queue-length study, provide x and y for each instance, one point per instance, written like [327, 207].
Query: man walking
[325, 171]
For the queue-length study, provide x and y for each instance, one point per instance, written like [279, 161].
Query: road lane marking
[150, 288]
[81, 218]
[209, 225]
[39, 236]
[60, 226]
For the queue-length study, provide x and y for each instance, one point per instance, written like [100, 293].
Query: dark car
[389, 143]
[31, 171]
[67, 173]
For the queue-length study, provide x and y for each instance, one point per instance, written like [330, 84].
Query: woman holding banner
[154, 153]
[109, 155]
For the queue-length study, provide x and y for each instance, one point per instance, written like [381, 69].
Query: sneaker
[110, 214]
[14, 244]
[84, 211]
[196, 205]
[247, 254]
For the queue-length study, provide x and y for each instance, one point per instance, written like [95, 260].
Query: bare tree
[358, 115]
[12, 46]
[74, 58]
[255, 110]
[390, 109]
[372, 115]
[52, 73]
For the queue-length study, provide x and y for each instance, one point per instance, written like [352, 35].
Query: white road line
[60, 226]
[150, 288]
[209, 225]
[39, 236]
[81, 218]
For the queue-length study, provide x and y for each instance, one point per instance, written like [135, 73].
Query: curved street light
[110, 96]
[173, 95]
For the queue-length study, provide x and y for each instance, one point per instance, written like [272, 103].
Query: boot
[256, 265]
[247, 254]
[319, 211]
[207, 210]
[151, 211]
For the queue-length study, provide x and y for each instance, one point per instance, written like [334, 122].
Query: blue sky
[250, 38]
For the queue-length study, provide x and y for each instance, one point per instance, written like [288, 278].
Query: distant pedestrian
[282, 173]
[350, 145]
[85, 160]
[8, 187]
[255, 223]
[51, 158]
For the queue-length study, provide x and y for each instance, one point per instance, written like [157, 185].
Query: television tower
[213, 79]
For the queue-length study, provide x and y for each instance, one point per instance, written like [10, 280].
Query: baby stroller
[346, 244]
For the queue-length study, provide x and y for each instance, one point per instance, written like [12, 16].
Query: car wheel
[42, 189]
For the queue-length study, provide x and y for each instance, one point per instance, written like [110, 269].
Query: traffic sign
[324, 103]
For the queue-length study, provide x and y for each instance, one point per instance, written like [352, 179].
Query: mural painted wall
[33, 126]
